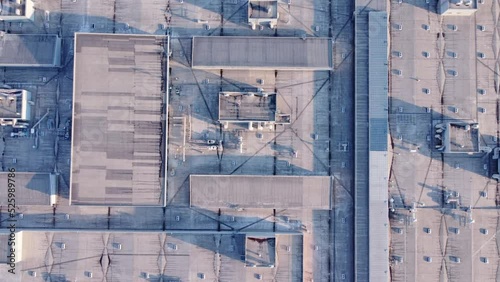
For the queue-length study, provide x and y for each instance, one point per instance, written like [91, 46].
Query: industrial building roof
[30, 188]
[272, 53]
[30, 50]
[378, 145]
[247, 106]
[148, 256]
[117, 120]
[257, 191]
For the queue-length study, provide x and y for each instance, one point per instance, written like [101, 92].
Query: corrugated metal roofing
[275, 53]
[30, 50]
[117, 127]
[215, 191]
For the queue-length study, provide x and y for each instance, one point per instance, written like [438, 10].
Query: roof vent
[88, 274]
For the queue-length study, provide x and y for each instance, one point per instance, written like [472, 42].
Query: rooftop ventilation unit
[88, 274]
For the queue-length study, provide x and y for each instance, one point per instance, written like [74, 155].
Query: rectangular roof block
[30, 188]
[265, 53]
[30, 50]
[257, 191]
[117, 120]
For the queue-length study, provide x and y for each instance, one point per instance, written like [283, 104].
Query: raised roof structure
[118, 133]
[262, 12]
[265, 53]
[258, 191]
[30, 50]
[17, 10]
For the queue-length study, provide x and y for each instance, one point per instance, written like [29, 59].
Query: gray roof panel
[274, 53]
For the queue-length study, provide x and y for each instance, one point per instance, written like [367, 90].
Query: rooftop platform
[263, 12]
[247, 107]
[30, 188]
[264, 53]
[461, 138]
[252, 191]
[118, 134]
[30, 50]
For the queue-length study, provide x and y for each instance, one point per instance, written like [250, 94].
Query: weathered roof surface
[378, 159]
[246, 106]
[147, 256]
[30, 50]
[256, 191]
[117, 127]
[274, 53]
[30, 188]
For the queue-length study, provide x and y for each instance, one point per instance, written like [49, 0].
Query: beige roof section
[255, 191]
[147, 256]
[272, 53]
[117, 120]
[30, 188]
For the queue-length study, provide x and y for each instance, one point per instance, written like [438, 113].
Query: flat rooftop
[257, 191]
[118, 134]
[271, 53]
[247, 106]
[30, 188]
[29, 50]
[148, 256]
